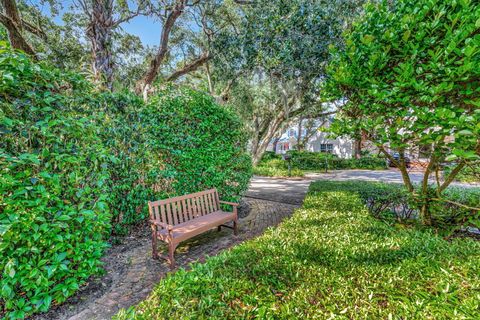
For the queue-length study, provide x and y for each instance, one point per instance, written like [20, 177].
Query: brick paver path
[131, 273]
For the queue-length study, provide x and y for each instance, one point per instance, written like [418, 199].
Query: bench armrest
[229, 203]
[162, 225]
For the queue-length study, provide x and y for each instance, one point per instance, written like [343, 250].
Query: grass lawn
[331, 259]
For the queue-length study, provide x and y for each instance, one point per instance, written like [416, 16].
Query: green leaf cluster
[201, 145]
[410, 76]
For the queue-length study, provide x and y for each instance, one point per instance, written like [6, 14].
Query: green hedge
[54, 214]
[273, 165]
[201, 145]
[332, 259]
[76, 164]
[316, 161]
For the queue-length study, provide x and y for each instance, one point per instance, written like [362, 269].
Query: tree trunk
[263, 142]
[99, 32]
[10, 18]
[144, 85]
[425, 213]
[211, 89]
[357, 148]
[299, 135]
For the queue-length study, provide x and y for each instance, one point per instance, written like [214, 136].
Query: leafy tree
[410, 73]
[103, 17]
[277, 53]
[16, 26]
[188, 28]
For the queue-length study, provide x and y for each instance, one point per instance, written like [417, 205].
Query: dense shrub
[201, 144]
[54, 211]
[276, 168]
[271, 155]
[330, 260]
[134, 168]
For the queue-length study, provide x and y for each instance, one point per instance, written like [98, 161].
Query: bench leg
[235, 227]
[171, 255]
[219, 228]
[154, 246]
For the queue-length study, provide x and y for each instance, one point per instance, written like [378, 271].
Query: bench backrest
[184, 208]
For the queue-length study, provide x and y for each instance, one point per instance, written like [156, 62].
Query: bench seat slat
[190, 208]
[204, 204]
[163, 217]
[183, 205]
[196, 226]
[209, 202]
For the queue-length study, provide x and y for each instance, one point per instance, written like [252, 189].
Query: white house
[318, 141]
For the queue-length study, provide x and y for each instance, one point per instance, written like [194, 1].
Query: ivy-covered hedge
[54, 213]
[200, 144]
[76, 164]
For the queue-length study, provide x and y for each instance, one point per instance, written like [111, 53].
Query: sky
[146, 28]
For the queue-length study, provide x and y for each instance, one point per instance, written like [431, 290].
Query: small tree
[410, 73]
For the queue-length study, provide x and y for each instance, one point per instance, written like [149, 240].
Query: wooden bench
[180, 218]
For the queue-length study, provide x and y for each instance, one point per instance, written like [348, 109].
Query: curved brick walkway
[131, 273]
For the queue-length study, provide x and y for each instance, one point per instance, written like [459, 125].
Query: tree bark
[211, 89]
[190, 67]
[425, 208]
[401, 166]
[144, 85]
[264, 140]
[10, 18]
[99, 32]
[300, 145]
[357, 148]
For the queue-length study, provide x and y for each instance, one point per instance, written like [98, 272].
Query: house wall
[342, 147]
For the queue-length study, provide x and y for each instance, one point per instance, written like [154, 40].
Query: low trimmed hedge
[272, 165]
[315, 161]
[331, 259]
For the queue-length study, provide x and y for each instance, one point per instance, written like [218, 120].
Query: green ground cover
[331, 259]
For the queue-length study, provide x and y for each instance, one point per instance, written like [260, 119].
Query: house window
[326, 147]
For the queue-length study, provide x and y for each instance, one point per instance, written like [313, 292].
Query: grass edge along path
[331, 259]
